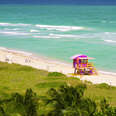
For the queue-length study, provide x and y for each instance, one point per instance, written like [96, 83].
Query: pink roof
[81, 56]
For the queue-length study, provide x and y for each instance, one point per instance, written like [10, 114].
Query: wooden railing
[90, 64]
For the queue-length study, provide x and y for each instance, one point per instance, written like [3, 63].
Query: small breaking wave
[12, 24]
[110, 41]
[15, 29]
[14, 33]
[51, 35]
[65, 35]
[46, 37]
[32, 30]
[107, 73]
[61, 28]
[16, 51]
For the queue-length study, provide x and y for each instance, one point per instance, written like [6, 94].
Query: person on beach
[8, 59]
[27, 60]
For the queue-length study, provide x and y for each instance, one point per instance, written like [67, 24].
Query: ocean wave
[110, 41]
[16, 51]
[61, 28]
[65, 35]
[3, 48]
[107, 36]
[46, 37]
[110, 33]
[99, 35]
[107, 73]
[20, 52]
[12, 24]
[102, 36]
[105, 21]
[32, 30]
[51, 35]
[14, 33]
[15, 29]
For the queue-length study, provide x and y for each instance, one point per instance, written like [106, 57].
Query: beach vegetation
[55, 74]
[70, 101]
[26, 105]
[15, 81]
[104, 86]
[63, 101]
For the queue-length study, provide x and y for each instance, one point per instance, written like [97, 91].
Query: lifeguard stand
[82, 66]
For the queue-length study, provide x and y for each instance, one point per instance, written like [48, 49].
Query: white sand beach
[29, 59]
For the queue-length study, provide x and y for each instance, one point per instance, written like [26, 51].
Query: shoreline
[19, 57]
[51, 65]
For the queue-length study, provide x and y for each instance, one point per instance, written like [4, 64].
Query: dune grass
[17, 78]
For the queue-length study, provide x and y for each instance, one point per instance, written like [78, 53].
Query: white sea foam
[110, 33]
[12, 24]
[110, 41]
[15, 29]
[107, 73]
[14, 33]
[20, 52]
[46, 37]
[32, 30]
[3, 48]
[97, 36]
[51, 35]
[4, 24]
[80, 36]
[65, 35]
[60, 28]
[16, 51]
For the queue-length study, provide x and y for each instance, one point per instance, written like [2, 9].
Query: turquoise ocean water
[59, 32]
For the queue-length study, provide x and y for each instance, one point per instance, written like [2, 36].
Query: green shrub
[104, 86]
[20, 105]
[49, 84]
[88, 82]
[25, 68]
[69, 101]
[2, 112]
[55, 74]
[105, 109]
